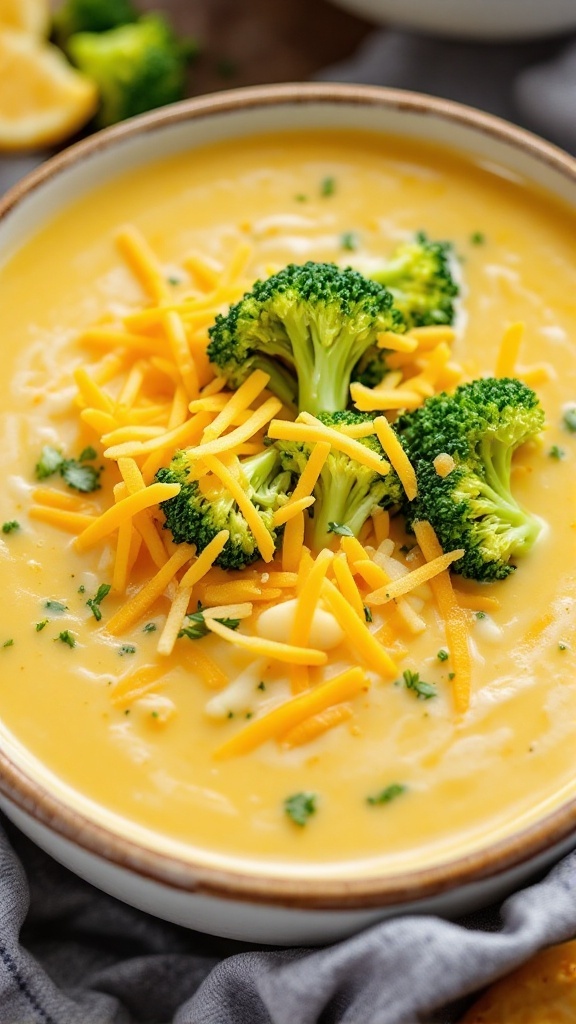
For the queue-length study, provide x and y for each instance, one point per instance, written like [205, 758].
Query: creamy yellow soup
[467, 779]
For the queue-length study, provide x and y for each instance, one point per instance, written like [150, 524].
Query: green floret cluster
[346, 492]
[420, 277]
[307, 327]
[91, 16]
[195, 517]
[137, 65]
[481, 425]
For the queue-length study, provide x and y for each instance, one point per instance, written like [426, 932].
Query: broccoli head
[480, 426]
[136, 67]
[307, 326]
[197, 513]
[91, 16]
[346, 492]
[420, 277]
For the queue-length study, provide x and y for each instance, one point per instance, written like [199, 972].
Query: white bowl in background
[220, 895]
[471, 19]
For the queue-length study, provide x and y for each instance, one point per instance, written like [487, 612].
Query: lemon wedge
[25, 15]
[43, 99]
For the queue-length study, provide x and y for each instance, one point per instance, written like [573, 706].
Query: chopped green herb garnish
[75, 472]
[230, 714]
[341, 529]
[442, 655]
[562, 646]
[40, 625]
[556, 452]
[349, 241]
[81, 589]
[173, 280]
[477, 238]
[570, 419]
[300, 807]
[150, 627]
[249, 714]
[451, 676]
[412, 681]
[8, 643]
[55, 606]
[88, 454]
[95, 602]
[154, 714]
[10, 526]
[261, 685]
[196, 626]
[66, 637]
[80, 476]
[126, 649]
[301, 198]
[328, 186]
[385, 796]
[127, 711]
[49, 462]
[480, 615]
[367, 614]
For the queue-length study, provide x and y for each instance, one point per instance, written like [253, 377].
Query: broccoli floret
[195, 515]
[307, 326]
[136, 67]
[480, 426]
[91, 16]
[346, 492]
[420, 277]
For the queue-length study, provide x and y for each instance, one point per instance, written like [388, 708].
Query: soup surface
[142, 747]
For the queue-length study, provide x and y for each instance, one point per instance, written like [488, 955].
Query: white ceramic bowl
[214, 894]
[471, 19]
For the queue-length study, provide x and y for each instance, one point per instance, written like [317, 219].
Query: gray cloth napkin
[72, 955]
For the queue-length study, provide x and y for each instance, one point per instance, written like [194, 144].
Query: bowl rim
[268, 886]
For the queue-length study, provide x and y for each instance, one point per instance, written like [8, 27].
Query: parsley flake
[8, 643]
[66, 637]
[150, 627]
[328, 186]
[562, 646]
[81, 589]
[40, 625]
[477, 238]
[385, 796]
[95, 602]
[556, 452]
[367, 613]
[442, 655]
[261, 685]
[341, 529]
[300, 806]
[10, 526]
[349, 241]
[55, 606]
[412, 681]
[480, 615]
[49, 462]
[196, 626]
[126, 649]
[88, 454]
[301, 198]
[570, 419]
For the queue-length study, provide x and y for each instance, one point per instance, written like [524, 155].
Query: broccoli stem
[342, 501]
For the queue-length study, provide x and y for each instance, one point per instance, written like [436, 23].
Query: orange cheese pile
[152, 391]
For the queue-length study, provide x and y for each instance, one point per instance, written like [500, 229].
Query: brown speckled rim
[267, 887]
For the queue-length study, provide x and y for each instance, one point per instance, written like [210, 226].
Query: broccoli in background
[480, 426]
[419, 275]
[346, 493]
[420, 278]
[195, 515]
[307, 326]
[91, 16]
[136, 67]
